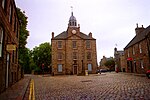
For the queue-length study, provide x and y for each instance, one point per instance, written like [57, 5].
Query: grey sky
[111, 21]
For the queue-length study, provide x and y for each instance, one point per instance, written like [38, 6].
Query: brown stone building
[137, 51]
[73, 52]
[9, 40]
[119, 60]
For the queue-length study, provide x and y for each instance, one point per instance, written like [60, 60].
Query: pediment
[74, 36]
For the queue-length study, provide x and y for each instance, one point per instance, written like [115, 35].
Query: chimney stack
[52, 35]
[139, 30]
[90, 34]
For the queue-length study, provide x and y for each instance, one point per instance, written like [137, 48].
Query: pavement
[20, 90]
[17, 91]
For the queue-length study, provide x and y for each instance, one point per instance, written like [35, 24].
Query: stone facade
[73, 52]
[9, 36]
[137, 54]
[119, 60]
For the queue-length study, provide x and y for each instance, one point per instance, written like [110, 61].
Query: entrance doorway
[74, 69]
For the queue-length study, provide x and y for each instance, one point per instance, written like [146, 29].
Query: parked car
[103, 70]
[148, 73]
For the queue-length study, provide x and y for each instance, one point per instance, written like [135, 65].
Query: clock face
[74, 31]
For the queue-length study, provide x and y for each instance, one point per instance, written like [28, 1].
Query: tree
[110, 64]
[24, 58]
[42, 55]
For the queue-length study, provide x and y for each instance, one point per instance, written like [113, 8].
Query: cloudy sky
[111, 21]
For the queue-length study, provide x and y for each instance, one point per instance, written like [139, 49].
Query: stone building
[119, 60]
[73, 52]
[137, 52]
[9, 40]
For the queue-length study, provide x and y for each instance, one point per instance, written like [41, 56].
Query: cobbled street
[106, 86]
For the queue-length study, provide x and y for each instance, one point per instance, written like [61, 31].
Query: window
[59, 67]
[141, 64]
[74, 55]
[128, 53]
[59, 44]
[10, 14]
[59, 55]
[89, 67]
[88, 45]
[3, 4]
[133, 50]
[88, 55]
[15, 24]
[140, 48]
[74, 44]
[1, 40]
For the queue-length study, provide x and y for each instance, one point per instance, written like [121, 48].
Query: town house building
[73, 52]
[119, 57]
[137, 51]
[9, 41]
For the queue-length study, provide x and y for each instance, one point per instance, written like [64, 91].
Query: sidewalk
[16, 91]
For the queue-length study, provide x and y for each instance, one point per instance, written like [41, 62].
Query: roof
[64, 35]
[138, 37]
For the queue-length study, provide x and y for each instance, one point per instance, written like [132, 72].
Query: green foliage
[42, 55]
[110, 64]
[24, 57]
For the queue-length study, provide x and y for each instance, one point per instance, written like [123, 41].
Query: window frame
[1, 40]
[140, 48]
[59, 56]
[60, 68]
[74, 55]
[59, 45]
[90, 67]
[74, 44]
[88, 44]
[89, 55]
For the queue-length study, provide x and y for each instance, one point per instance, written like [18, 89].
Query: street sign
[10, 47]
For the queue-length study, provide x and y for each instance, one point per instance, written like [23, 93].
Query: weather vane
[116, 44]
[71, 9]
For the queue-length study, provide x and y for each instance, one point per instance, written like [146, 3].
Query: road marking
[32, 95]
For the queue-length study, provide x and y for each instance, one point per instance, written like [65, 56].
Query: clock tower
[72, 26]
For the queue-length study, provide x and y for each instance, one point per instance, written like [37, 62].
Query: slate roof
[64, 35]
[139, 37]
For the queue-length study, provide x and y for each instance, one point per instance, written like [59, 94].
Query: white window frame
[59, 67]
[59, 56]
[89, 67]
[128, 53]
[140, 48]
[3, 3]
[142, 65]
[1, 40]
[59, 44]
[133, 50]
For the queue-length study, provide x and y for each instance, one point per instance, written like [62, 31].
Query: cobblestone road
[109, 86]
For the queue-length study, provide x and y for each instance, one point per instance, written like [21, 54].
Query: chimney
[52, 35]
[139, 30]
[90, 34]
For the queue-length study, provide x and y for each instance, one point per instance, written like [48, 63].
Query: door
[74, 69]
[7, 69]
